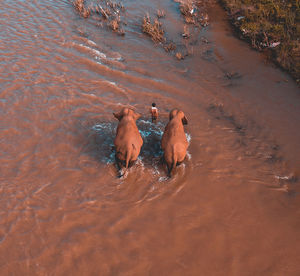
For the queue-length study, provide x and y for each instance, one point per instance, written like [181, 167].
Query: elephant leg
[118, 162]
[169, 169]
[131, 163]
[179, 163]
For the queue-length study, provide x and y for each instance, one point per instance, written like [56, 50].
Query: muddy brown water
[231, 209]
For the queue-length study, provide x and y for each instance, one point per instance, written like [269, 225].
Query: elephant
[128, 140]
[174, 143]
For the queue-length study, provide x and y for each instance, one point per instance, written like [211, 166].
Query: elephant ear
[118, 115]
[184, 120]
[173, 113]
[136, 115]
[133, 114]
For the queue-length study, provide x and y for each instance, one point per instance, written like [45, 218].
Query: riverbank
[271, 26]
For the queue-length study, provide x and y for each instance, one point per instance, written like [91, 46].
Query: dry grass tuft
[160, 13]
[109, 11]
[186, 32]
[187, 11]
[79, 6]
[157, 34]
[194, 13]
[114, 24]
[154, 30]
[179, 56]
[169, 47]
[105, 12]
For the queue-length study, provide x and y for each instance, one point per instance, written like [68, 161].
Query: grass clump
[154, 30]
[194, 12]
[157, 34]
[110, 12]
[169, 47]
[270, 24]
[160, 13]
[81, 9]
[187, 11]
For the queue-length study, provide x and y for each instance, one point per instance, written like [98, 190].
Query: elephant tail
[174, 161]
[128, 155]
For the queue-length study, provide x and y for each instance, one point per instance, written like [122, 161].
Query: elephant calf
[128, 141]
[174, 142]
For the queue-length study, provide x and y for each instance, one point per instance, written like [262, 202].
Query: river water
[232, 208]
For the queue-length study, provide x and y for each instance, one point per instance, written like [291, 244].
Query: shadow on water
[97, 140]
[151, 134]
[102, 136]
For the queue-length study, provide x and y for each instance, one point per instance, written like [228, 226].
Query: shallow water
[232, 208]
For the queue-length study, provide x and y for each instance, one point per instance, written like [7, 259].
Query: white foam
[188, 137]
[155, 171]
[111, 82]
[115, 85]
[145, 122]
[117, 57]
[163, 178]
[97, 53]
[99, 127]
[189, 156]
[283, 177]
[91, 42]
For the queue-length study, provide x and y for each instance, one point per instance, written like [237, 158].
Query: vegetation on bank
[194, 14]
[110, 12]
[270, 24]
